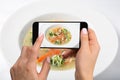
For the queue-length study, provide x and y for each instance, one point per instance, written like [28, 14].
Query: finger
[28, 54]
[84, 38]
[38, 42]
[23, 51]
[92, 36]
[45, 69]
[94, 45]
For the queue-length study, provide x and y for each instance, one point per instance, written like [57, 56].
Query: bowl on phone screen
[58, 35]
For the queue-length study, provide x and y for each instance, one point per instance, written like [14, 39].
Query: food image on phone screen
[64, 34]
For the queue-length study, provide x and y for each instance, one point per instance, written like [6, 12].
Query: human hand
[25, 67]
[87, 55]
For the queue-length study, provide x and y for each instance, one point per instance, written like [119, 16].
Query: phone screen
[64, 34]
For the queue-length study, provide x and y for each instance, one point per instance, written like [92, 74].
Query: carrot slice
[51, 52]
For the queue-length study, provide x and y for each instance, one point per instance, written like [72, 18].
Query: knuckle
[13, 68]
[28, 68]
[24, 47]
[29, 50]
[19, 65]
[33, 50]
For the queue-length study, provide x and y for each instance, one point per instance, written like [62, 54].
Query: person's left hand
[25, 67]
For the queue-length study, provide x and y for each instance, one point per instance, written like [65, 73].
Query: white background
[110, 8]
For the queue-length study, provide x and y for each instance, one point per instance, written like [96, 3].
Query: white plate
[15, 27]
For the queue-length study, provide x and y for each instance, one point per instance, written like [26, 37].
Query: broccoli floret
[57, 42]
[57, 60]
[51, 34]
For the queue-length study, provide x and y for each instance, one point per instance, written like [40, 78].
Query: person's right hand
[87, 55]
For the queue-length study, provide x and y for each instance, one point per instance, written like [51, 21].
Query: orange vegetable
[51, 52]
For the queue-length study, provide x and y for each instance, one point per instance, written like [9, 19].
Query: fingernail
[48, 59]
[84, 31]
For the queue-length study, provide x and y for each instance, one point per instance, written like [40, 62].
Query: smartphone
[58, 34]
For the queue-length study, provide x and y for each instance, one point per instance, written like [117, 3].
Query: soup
[56, 60]
[58, 35]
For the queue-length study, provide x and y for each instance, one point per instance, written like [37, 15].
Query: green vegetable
[64, 31]
[67, 36]
[55, 34]
[57, 42]
[51, 34]
[57, 60]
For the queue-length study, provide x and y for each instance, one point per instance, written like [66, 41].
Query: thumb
[84, 38]
[45, 69]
